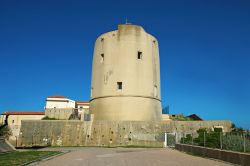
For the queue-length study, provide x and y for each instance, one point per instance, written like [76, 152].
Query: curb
[45, 158]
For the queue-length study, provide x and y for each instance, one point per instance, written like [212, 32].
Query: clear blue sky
[46, 48]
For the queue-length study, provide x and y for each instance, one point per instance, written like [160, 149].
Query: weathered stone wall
[14, 123]
[193, 126]
[59, 113]
[228, 156]
[104, 133]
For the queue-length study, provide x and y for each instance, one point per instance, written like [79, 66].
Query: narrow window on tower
[102, 58]
[139, 55]
[119, 85]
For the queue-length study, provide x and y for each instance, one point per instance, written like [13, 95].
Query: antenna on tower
[127, 21]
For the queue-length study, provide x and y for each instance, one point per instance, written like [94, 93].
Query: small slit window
[102, 58]
[139, 55]
[119, 85]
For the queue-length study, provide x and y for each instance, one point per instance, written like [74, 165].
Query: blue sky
[46, 48]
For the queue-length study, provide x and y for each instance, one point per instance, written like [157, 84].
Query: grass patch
[19, 158]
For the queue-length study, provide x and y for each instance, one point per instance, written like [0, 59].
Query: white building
[82, 106]
[59, 102]
[83, 109]
[165, 117]
[60, 107]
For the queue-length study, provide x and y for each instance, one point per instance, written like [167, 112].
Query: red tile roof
[194, 117]
[82, 102]
[24, 113]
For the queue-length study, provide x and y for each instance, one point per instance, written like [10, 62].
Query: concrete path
[127, 157]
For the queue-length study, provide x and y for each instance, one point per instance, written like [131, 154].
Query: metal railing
[233, 141]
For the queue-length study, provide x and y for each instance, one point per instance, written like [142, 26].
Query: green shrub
[48, 118]
[230, 141]
[5, 132]
[235, 142]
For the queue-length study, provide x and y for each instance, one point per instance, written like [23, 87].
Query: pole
[220, 140]
[183, 138]
[204, 139]
[244, 143]
[176, 141]
[16, 141]
[192, 138]
[165, 142]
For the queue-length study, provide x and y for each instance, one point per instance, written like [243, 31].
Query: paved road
[127, 157]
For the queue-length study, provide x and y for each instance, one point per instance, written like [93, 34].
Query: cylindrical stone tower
[126, 76]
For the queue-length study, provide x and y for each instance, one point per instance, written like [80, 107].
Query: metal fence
[169, 139]
[228, 141]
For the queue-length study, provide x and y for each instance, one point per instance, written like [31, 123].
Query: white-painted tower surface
[126, 76]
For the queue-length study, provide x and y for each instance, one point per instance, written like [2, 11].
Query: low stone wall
[228, 156]
[59, 113]
[78, 133]
[104, 133]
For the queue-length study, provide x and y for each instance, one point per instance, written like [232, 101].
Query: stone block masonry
[105, 133]
[228, 156]
[59, 113]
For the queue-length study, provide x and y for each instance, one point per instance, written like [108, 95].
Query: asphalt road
[126, 157]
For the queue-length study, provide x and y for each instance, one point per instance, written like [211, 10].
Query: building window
[119, 85]
[102, 39]
[13, 121]
[102, 58]
[139, 55]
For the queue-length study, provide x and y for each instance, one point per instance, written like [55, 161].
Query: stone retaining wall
[104, 133]
[228, 156]
[59, 113]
